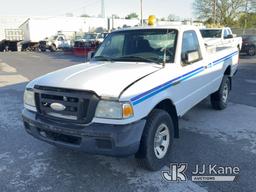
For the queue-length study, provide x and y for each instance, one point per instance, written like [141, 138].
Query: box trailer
[37, 29]
[12, 37]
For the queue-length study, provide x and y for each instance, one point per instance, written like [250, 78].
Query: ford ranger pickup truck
[127, 99]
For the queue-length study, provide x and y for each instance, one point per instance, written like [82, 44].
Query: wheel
[251, 51]
[219, 99]
[53, 48]
[6, 49]
[156, 141]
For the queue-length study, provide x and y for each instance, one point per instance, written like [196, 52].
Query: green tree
[173, 17]
[132, 16]
[250, 6]
[226, 12]
[247, 20]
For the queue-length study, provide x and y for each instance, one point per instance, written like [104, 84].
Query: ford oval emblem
[57, 107]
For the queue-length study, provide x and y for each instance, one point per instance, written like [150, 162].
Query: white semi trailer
[37, 29]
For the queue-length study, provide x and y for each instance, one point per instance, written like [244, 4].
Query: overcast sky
[160, 8]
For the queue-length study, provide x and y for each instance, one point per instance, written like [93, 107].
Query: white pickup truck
[55, 42]
[221, 37]
[128, 98]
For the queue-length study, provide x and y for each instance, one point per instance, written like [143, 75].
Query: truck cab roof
[177, 27]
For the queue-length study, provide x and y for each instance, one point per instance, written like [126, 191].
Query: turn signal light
[127, 110]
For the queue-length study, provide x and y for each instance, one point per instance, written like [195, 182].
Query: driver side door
[193, 79]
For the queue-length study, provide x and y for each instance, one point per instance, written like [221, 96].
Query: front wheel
[219, 99]
[53, 48]
[157, 138]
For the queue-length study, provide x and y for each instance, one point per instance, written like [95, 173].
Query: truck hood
[104, 78]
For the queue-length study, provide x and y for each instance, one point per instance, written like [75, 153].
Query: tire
[219, 99]
[148, 156]
[251, 51]
[53, 48]
[6, 49]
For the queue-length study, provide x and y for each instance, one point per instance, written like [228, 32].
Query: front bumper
[104, 139]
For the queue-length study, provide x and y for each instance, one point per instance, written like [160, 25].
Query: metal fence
[240, 31]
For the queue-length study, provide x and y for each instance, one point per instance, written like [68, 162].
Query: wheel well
[228, 71]
[168, 106]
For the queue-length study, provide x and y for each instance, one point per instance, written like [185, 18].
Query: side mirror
[230, 36]
[190, 57]
[90, 55]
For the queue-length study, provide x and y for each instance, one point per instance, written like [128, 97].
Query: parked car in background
[54, 43]
[221, 37]
[94, 37]
[89, 42]
[249, 45]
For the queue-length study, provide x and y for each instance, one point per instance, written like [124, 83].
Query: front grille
[79, 106]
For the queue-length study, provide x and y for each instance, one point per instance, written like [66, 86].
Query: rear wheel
[157, 138]
[251, 51]
[219, 99]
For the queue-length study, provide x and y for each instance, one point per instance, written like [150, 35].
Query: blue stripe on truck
[150, 93]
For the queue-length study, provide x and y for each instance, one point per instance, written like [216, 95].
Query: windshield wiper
[127, 57]
[103, 58]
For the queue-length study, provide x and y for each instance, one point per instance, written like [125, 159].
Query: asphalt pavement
[224, 138]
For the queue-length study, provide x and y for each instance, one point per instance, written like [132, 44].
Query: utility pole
[102, 9]
[141, 13]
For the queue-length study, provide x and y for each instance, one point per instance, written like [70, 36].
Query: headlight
[29, 100]
[114, 110]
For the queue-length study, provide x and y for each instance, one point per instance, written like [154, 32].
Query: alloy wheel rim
[161, 141]
[225, 93]
[251, 51]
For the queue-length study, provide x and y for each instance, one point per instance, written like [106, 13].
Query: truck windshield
[147, 45]
[212, 33]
